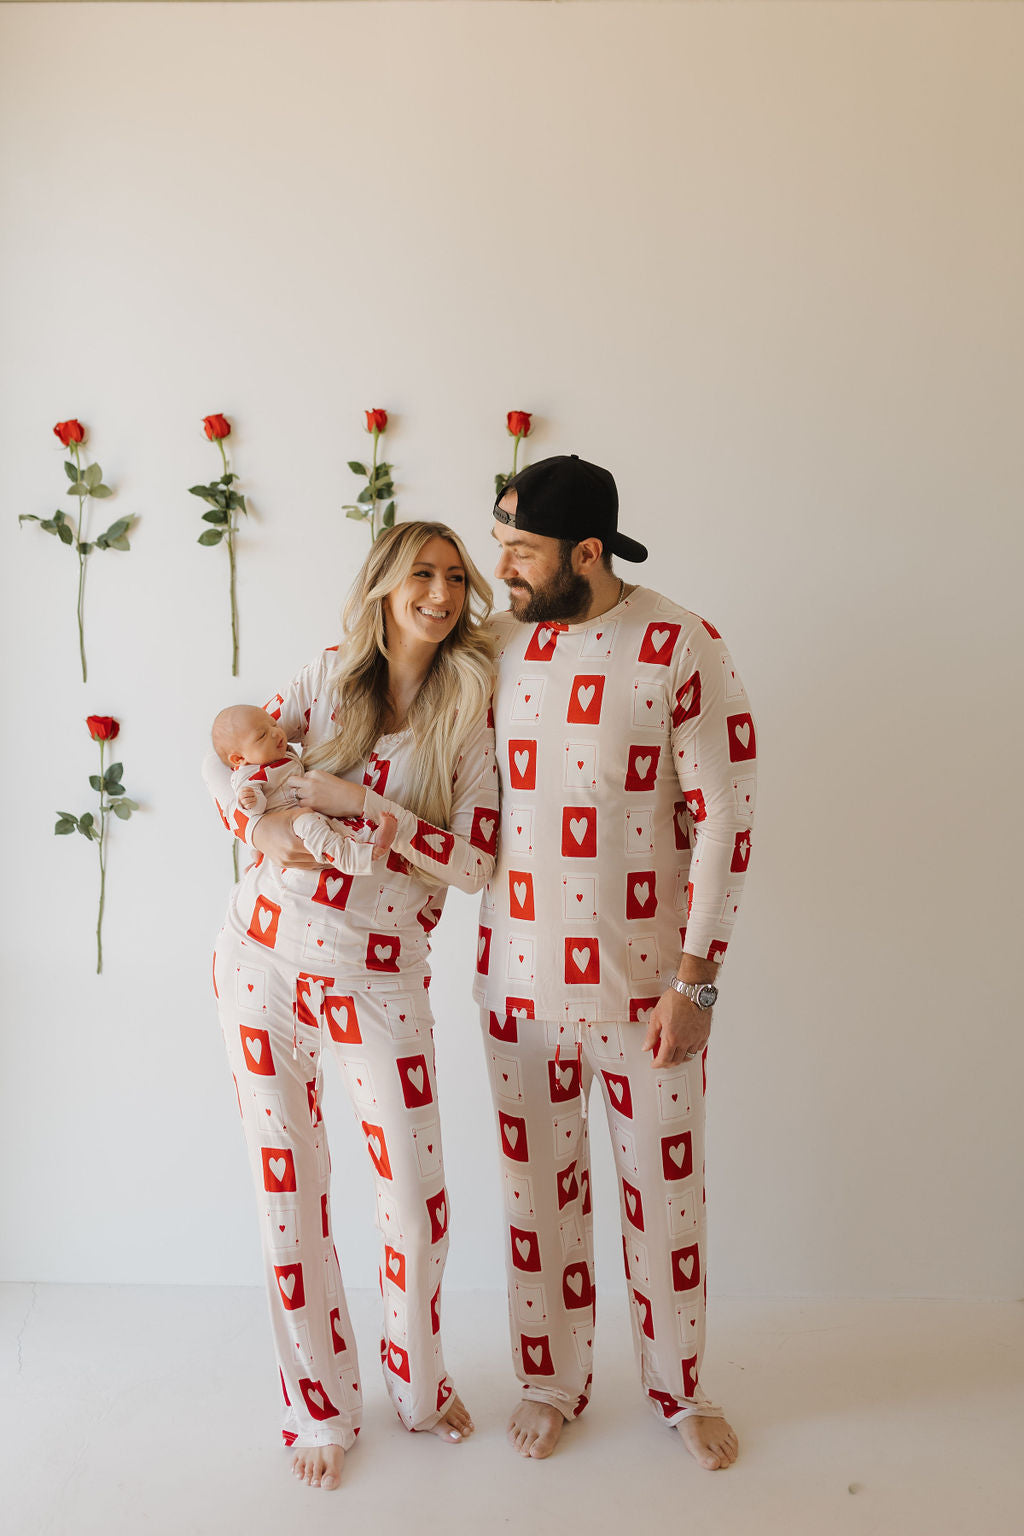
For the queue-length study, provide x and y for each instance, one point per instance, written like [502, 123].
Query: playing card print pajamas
[349, 850]
[627, 755]
[318, 960]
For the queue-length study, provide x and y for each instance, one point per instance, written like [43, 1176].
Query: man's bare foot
[456, 1424]
[711, 1442]
[319, 1465]
[534, 1428]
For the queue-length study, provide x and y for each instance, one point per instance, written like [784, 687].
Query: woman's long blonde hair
[454, 695]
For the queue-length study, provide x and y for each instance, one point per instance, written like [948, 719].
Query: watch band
[693, 989]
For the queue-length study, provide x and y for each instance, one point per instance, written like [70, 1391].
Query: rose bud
[70, 432]
[216, 427]
[102, 727]
[376, 420]
[518, 423]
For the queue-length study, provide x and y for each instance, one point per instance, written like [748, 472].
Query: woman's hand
[331, 796]
[273, 837]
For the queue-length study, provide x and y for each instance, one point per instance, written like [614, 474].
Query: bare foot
[711, 1442]
[384, 836]
[319, 1465]
[456, 1424]
[534, 1428]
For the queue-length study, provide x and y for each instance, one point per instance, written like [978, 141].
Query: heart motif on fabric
[254, 1047]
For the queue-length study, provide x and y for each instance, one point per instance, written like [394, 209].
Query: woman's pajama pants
[541, 1073]
[275, 1022]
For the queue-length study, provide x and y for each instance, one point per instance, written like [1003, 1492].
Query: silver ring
[689, 1055]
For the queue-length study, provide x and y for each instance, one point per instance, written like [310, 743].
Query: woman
[396, 722]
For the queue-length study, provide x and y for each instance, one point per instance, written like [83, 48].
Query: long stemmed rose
[519, 425]
[107, 783]
[224, 503]
[85, 482]
[378, 486]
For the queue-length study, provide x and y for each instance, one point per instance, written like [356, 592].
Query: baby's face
[260, 739]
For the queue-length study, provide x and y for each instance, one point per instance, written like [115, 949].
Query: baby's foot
[384, 835]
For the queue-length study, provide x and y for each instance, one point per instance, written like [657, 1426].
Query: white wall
[765, 263]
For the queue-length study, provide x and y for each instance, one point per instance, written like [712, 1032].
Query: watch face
[707, 996]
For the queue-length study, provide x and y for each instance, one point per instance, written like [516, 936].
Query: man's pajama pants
[541, 1073]
[275, 1022]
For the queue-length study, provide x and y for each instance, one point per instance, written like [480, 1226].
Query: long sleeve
[714, 751]
[462, 855]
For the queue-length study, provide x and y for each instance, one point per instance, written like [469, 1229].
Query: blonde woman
[394, 721]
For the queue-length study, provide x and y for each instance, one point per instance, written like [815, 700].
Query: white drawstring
[577, 1033]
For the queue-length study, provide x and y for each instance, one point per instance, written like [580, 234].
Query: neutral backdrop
[762, 260]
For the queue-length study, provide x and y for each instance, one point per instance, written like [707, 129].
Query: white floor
[151, 1410]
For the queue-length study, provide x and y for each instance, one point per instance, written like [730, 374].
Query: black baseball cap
[564, 497]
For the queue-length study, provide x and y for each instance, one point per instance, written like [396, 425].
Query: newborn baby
[263, 767]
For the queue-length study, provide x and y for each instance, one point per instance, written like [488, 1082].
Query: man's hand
[677, 1030]
[273, 837]
[326, 793]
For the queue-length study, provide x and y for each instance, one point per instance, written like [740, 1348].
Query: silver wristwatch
[703, 993]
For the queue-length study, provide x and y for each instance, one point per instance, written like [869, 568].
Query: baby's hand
[247, 797]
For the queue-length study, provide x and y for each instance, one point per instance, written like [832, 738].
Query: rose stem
[81, 564]
[231, 563]
[103, 867]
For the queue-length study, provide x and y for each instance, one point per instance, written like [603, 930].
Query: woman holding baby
[312, 958]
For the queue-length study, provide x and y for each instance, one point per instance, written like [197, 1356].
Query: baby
[263, 766]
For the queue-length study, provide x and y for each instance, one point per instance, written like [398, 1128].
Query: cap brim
[626, 548]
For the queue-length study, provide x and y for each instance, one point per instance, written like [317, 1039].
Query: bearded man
[626, 751]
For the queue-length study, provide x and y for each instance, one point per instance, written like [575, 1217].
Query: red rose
[102, 727]
[216, 427]
[518, 423]
[376, 420]
[69, 432]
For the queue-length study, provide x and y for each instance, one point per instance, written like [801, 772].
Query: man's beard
[565, 598]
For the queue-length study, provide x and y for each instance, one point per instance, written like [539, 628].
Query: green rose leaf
[357, 468]
[218, 515]
[388, 520]
[500, 482]
[70, 470]
[79, 488]
[210, 493]
[115, 771]
[235, 501]
[102, 491]
[356, 513]
[65, 825]
[122, 809]
[95, 782]
[228, 478]
[92, 475]
[211, 536]
[84, 547]
[366, 495]
[121, 543]
[28, 517]
[65, 533]
[85, 822]
[116, 529]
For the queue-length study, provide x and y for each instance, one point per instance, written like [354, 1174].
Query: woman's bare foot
[711, 1442]
[456, 1424]
[319, 1465]
[534, 1428]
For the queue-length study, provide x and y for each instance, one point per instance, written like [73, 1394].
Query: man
[626, 749]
